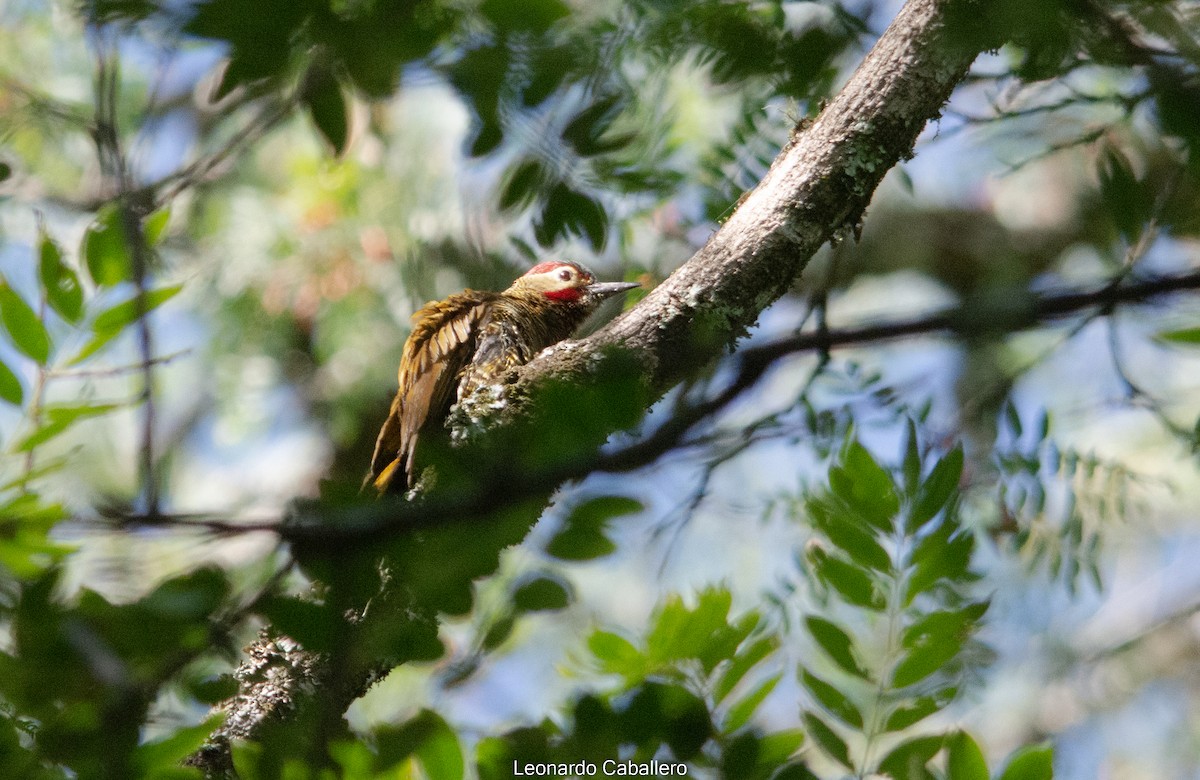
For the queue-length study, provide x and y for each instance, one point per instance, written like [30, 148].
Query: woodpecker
[471, 340]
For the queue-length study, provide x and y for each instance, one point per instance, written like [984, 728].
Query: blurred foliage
[255, 196]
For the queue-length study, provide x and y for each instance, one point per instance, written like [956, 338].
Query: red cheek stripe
[568, 294]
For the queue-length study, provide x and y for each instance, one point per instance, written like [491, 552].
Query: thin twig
[115, 165]
[1002, 114]
[1136, 393]
[953, 320]
[93, 373]
[173, 184]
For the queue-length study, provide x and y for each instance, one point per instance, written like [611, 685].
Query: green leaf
[154, 227]
[263, 36]
[30, 509]
[126, 313]
[741, 712]
[25, 524]
[1187, 336]
[616, 654]
[853, 584]
[63, 292]
[59, 419]
[429, 739]
[524, 15]
[485, 137]
[1035, 762]
[591, 122]
[585, 132]
[1123, 196]
[928, 652]
[105, 248]
[169, 752]
[912, 457]
[549, 66]
[837, 643]
[702, 633]
[355, 759]
[440, 755]
[47, 466]
[739, 754]
[777, 747]
[43, 432]
[10, 386]
[844, 529]
[965, 759]
[569, 213]
[541, 592]
[24, 328]
[919, 709]
[326, 106]
[946, 623]
[670, 710]
[1013, 418]
[828, 739]
[907, 761]
[522, 184]
[312, 625]
[94, 345]
[936, 490]
[112, 321]
[582, 536]
[943, 554]
[1043, 427]
[246, 758]
[742, 663]
[866, 487]
[833, 700]
[499, 631]
[677, 630]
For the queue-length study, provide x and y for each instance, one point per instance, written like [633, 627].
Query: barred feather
[468, 341]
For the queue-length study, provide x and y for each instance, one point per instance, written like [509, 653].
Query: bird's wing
[498, 349]
[514, 334]
[440, 344]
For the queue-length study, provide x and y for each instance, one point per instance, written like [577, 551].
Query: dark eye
[566, 274]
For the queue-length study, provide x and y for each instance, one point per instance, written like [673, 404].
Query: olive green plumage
[470, 340]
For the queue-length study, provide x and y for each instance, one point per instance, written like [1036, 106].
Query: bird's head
[565, 282]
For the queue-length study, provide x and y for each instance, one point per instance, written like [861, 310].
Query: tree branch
[816, 190]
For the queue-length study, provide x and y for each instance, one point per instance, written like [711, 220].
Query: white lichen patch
[695, 295]
[564, 347]
[468, 417]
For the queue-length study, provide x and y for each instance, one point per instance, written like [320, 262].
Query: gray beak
[603, 290]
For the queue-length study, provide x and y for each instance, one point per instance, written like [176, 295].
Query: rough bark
[816, 191]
